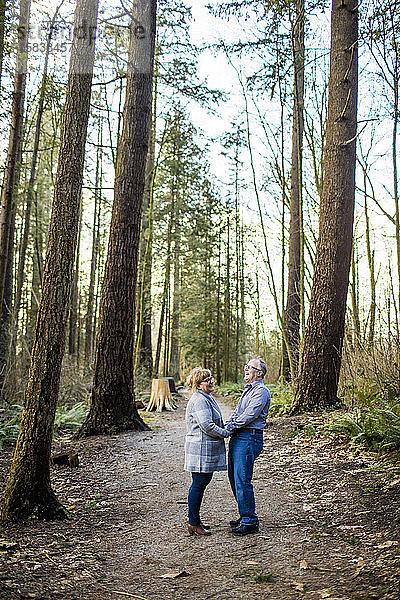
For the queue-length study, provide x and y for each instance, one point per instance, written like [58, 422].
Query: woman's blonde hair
[195, 377]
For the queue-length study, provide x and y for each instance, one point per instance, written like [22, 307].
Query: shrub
[282, 397]
[69, 419]
[377, 429]
[9, 424]
[231, 389]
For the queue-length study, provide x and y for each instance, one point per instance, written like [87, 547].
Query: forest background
[214, 257]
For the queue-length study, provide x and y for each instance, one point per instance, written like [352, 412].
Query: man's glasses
[246, 367]
[208, 380]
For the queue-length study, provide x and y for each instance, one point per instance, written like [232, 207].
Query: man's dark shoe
[234, 524]
[243, 529]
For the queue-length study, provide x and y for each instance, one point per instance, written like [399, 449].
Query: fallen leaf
[298, 586]
[304, 564]
[4, 545]
[387, 544]
[325, 593]
[252, 562]
[393, 483]
[360, 562]
[174, 575]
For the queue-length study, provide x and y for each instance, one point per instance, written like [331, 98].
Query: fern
[72, 418]
[9, 425]
[377, 429]
[282, 397]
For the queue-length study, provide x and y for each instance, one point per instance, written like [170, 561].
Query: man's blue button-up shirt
[252, 408]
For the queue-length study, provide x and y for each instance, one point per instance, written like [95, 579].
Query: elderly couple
[205, 445]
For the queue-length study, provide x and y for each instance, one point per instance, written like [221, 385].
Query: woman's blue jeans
[196, 491]
[244, 447]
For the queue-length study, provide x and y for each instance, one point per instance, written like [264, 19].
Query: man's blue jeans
[196, 491]
[244, 447]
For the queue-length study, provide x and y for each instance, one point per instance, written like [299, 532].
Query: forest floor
[329, 524]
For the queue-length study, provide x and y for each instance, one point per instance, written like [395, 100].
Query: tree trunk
[37, 276]
[227, 306]
[90, 313]
[5, 316]
[355, 302]
[218, 315]
[30, 188]
[371, 267]
[113, 405]
[3, 6]
[28, 490]
[156, 368]
[144, 348]
[144, 352]
[17, 112]
[295, 284]
[325, 327]
[174, 362]
[73, 305]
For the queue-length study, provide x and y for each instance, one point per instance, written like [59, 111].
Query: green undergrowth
[9, 424]
[67, 420]
[281, 396]
[230, 390]
[373, 421]
[256, 574]
[375, 429]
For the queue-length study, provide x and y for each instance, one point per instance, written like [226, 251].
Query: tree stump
[160, 398]
[171, 384]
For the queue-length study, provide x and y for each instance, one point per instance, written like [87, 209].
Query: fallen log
[70, 459]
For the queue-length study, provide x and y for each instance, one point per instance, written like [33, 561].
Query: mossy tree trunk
[15, 139]
[323, 338]
[295, 298]
[28, 490]
[113, 405]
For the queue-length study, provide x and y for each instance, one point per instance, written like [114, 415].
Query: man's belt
[250, 429]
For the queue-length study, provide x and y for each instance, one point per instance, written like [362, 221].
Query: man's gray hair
[263, 366]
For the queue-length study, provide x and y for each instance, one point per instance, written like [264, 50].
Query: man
[246, 426]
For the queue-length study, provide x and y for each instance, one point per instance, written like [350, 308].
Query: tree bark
[28, 490]
[37, 275]
[17, 112]
[31, 183]
[113, 405]
[3, 8]
[144, 351]
[325, 327]
[174, 360]
[5, 316]
[295, 284]
[74, 298]
[90, 313]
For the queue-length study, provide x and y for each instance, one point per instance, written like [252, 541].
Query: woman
[204, 444]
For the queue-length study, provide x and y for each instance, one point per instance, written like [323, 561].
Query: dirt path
[328, 525]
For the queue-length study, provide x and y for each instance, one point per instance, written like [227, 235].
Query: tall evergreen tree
[323, 339]
[295, 299]
[113, 405]
[28, 490]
